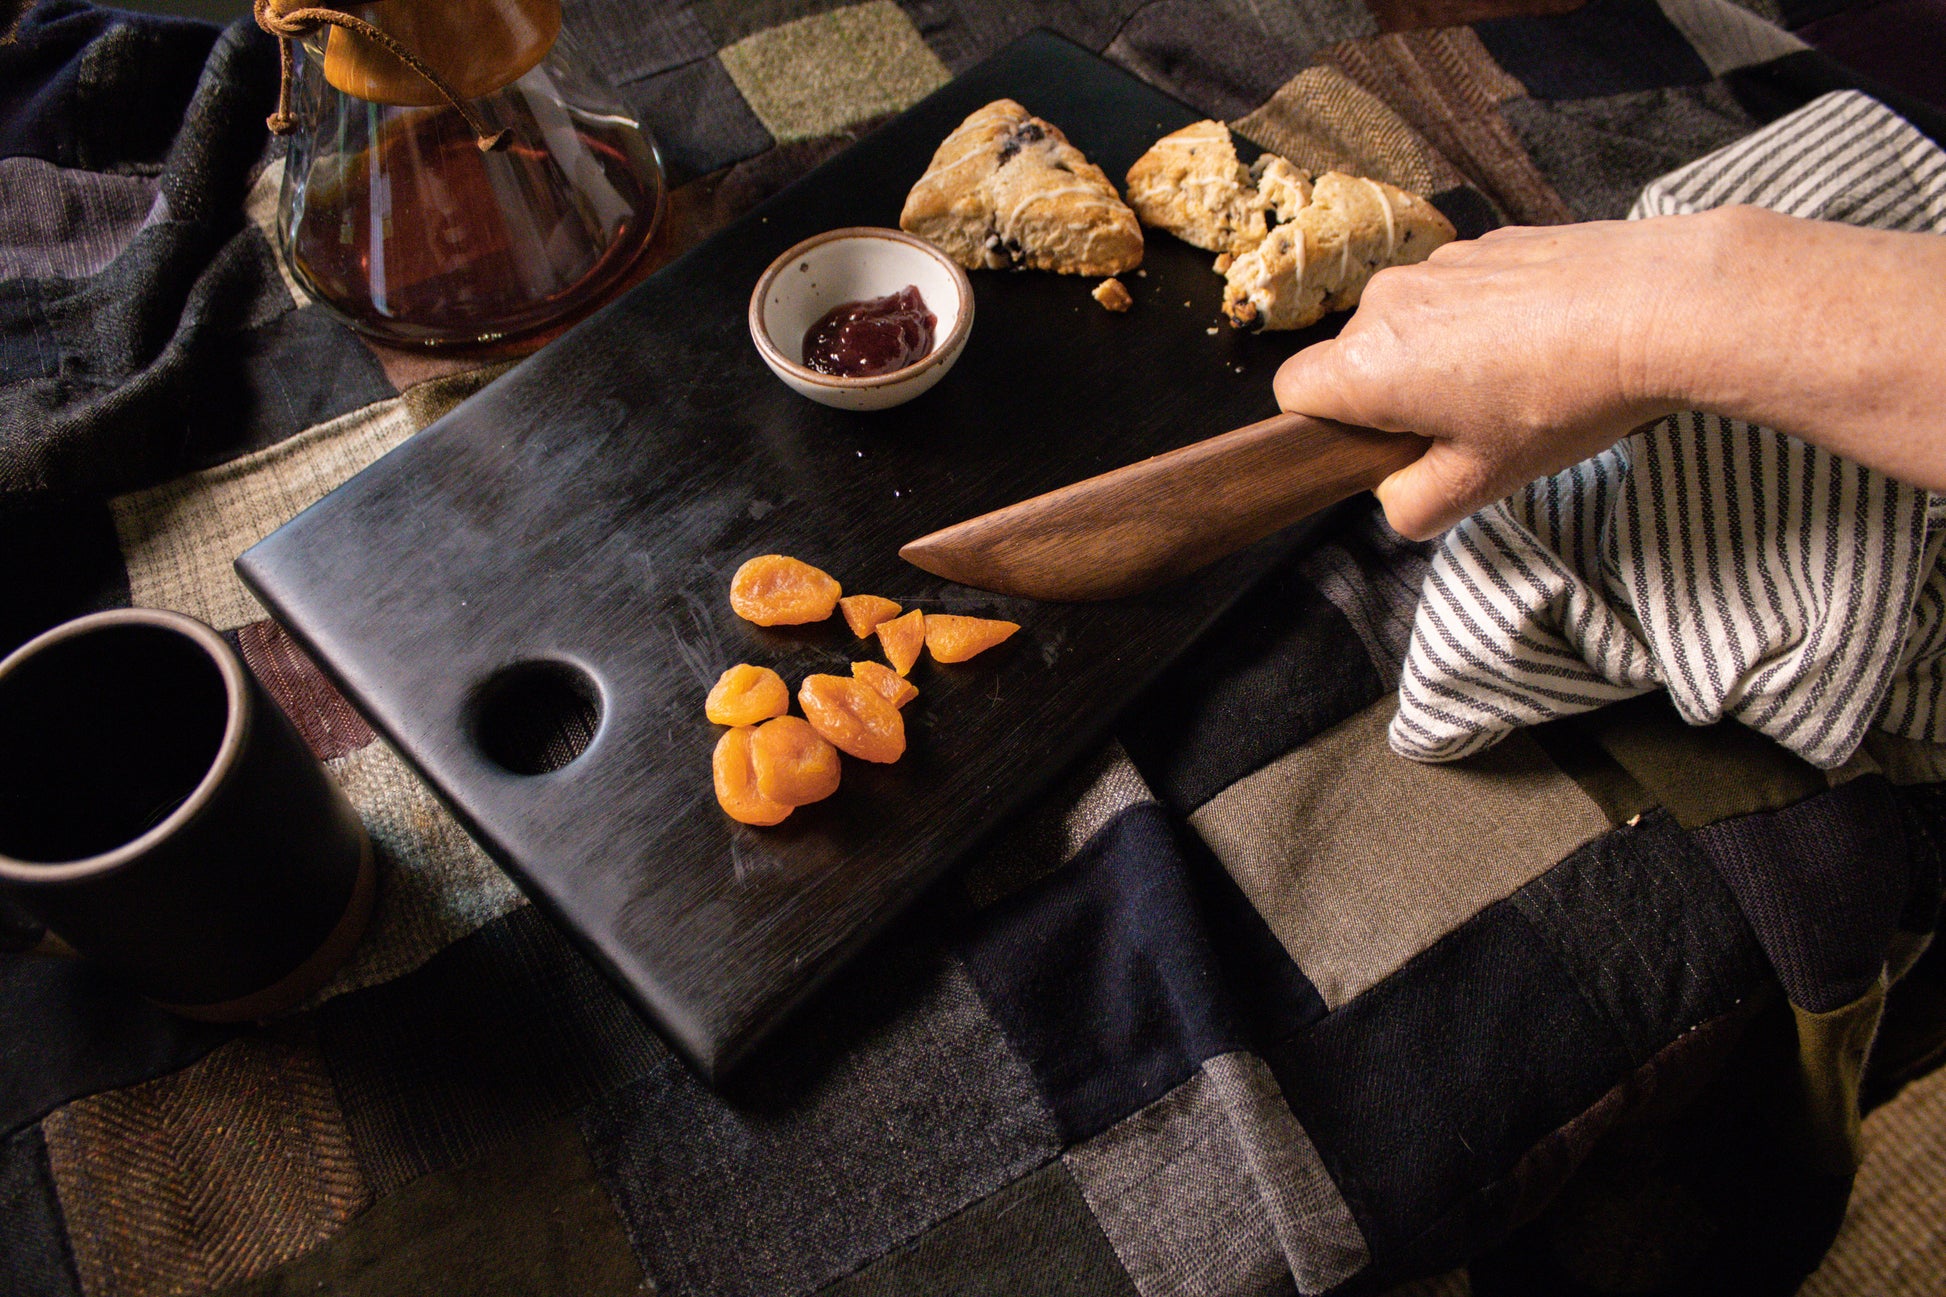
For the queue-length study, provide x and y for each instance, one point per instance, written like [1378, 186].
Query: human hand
[1519, 354]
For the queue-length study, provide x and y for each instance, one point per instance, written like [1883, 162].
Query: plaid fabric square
[1114, 980]
[1446, 86]
[1727, 36]
[1330, 844]
[817, 75]
[1034, 1236]
[34, 1260]
[1411, 15]
[435, 884]
[64, 222]
[211, 1175]
[1226, 56]
[630, 41]
[329, 726]
[700, 119]
[72, 1029]
[1823, 883]
[1606, 47]
[1891, 1242]
[1059, 826]
[962, 32]
[1621, 948]
[889, 1107]
[528, 1218]
[1599, 152]
[179, 539]
[1323, 121]
[1217, 1188]
[1280, 667]
[490, 1039]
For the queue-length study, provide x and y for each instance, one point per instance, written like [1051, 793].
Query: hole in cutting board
[535, 717]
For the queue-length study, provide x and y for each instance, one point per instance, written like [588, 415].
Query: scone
[1321, 261]
[1192, 184]
[1006, 189]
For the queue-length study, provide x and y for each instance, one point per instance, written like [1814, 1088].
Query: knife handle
[1138, 526]
[1242, 486]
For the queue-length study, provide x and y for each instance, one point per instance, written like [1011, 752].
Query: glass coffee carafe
[457, 173]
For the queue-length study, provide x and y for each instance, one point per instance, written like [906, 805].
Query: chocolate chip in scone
[1024, 134]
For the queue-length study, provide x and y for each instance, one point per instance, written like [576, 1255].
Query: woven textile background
[1249, 1005]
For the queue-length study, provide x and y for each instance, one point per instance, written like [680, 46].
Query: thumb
[1433, 492]
[1315, 382]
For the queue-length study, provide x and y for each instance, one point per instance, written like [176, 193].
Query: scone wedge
[1007, 190]
[1321, 261]
[1192, 184]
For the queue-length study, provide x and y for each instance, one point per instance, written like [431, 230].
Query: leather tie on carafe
[291, 21]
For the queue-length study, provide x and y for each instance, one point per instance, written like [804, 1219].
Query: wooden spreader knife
[1133, 528]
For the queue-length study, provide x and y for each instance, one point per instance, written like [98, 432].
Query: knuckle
[1464, 480]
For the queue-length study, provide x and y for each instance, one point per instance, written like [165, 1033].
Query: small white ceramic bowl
[850, 265]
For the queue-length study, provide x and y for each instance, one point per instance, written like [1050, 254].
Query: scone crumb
[1223, 263]
[1110, 293]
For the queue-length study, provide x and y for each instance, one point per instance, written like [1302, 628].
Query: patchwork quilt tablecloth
[1248, 1005]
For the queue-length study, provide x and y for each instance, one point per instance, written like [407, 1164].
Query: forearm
[1832, 333]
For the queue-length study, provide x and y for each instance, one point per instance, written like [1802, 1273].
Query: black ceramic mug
[160, 814]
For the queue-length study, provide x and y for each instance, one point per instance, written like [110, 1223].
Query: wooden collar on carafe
[472, 48]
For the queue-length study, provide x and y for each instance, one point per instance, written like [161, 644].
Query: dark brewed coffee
[101, 738]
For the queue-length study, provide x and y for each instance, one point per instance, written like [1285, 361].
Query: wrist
[1691, 349]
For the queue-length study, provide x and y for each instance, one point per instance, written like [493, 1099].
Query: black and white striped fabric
[1749, 574]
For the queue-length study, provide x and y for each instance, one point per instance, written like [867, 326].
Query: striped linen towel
[1749, 574]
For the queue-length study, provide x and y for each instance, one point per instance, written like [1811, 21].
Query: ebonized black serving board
[589, 507]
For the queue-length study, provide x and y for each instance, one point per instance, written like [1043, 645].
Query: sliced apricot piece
[892, 686]
[746, 694]
[736, 781]
[854, 716]
[795, 765]
[954, 639]
[902, 638]
[777, 590]
[863, 612]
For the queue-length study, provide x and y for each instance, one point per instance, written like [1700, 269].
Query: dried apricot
[902, 638]
[776, 590]
[955, 639]
[892, 686]
[795, 766]
[865, 611]
[744, 695]
[736, 781]
[854, 716]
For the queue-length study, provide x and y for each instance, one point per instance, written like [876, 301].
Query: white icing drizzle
[1028, 200]
[1391, 229]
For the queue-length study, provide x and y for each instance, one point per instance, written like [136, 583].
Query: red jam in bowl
[875, 336]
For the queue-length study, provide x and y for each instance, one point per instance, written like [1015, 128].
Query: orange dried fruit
[892, 686]
[795, 765]
[865, 611]
[746, 694]
[736, 781]
[955, 639]
[902, 638]
[776, 590]
[854, 716]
